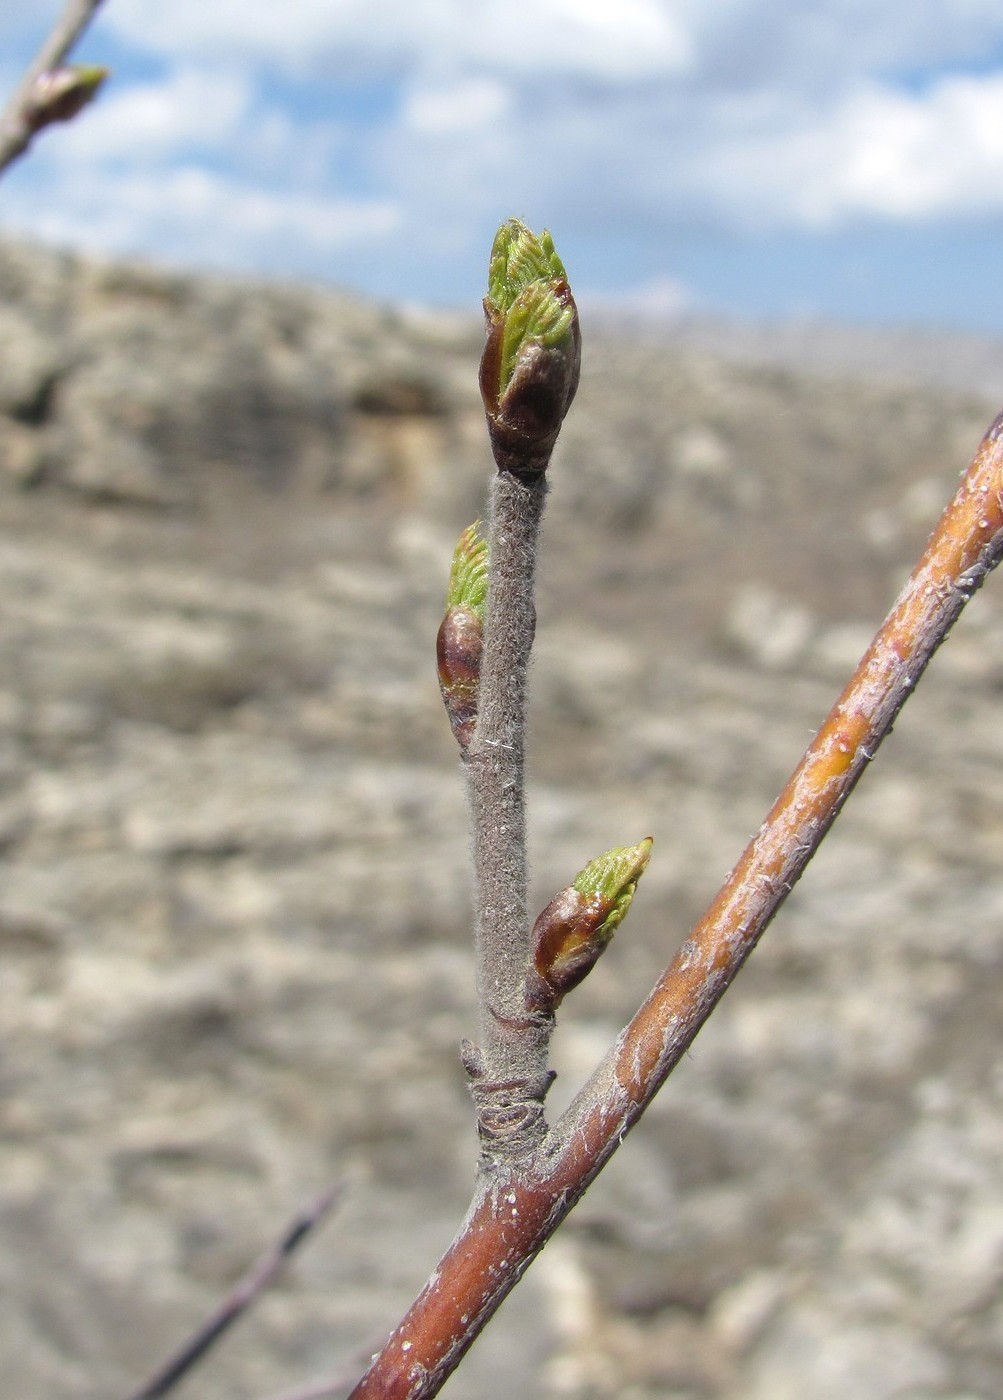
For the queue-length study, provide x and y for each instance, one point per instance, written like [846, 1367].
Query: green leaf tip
[531, 362]
[528, 288]
[460, 638]
[519, 258]
[468, 573]
[577, 925]
[613, 877]
[536, 317]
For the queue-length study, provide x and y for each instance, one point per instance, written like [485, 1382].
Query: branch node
[510, 1120]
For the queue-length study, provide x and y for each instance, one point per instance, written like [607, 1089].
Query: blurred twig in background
[51, 90]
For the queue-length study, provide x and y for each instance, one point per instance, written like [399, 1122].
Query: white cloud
[739, 42]
[733, 43]
[743, 44]
[877, 153]
[193, 113]
[586, 37]
[190, 108]
[272, 133]
[465, 106]
[292, 32]
[194, 215]
[658, 299]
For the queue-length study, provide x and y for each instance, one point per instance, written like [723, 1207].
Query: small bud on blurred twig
[51, 90]
[59, 94]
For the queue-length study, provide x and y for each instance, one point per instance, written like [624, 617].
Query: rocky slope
[233, 947]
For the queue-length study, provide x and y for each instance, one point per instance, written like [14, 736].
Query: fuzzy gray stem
[509, 1071]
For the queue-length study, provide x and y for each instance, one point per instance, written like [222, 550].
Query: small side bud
[59, 94]
[461, 632]
[532, 358]
[578, 924]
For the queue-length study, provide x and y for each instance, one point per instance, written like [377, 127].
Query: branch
[49, 92]
[528, 377]
[514, 1213]
[509, 1071]
[236, 1302]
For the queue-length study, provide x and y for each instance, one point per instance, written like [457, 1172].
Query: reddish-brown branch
[18, 120]
[515, 1211]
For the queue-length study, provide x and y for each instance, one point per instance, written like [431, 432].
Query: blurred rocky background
[234, 961]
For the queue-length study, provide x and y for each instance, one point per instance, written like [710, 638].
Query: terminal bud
[531, 361]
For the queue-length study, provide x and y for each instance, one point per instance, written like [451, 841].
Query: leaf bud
[60, 93]
[531, 361]
[577, 925]
[461, 632]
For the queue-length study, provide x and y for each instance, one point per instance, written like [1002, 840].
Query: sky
[761, 158]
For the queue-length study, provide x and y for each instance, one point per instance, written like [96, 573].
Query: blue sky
[760, 157]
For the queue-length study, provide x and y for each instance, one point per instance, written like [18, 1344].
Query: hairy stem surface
[509, 1068]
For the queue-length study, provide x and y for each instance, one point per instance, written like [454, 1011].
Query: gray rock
[233, 939]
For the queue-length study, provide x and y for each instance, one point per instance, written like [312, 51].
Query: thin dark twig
[16, 126]
[237, 1301]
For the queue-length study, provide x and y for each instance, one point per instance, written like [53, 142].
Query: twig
[237, 1301]
[528, 378]
[513, 1215]
[509, 1076]
[20, 118]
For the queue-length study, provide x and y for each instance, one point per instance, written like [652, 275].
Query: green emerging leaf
[536, 317]
[528, 295]
[518, 258]
[468, 574]
[612, 877]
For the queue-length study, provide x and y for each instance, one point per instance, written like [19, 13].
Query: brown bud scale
[565, 944]
[525, 417]
[458, 647]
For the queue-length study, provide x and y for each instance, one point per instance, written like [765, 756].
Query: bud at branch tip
[531, 361]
